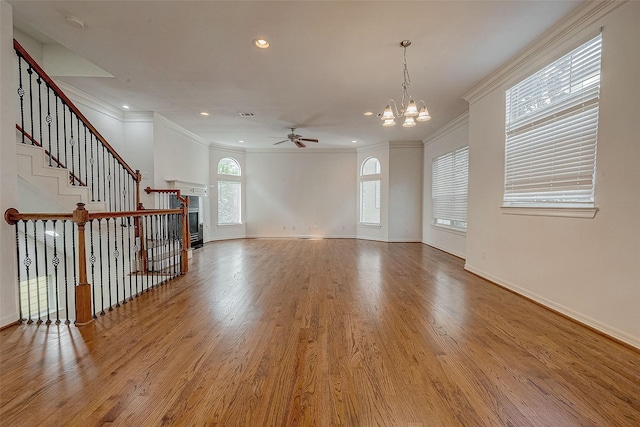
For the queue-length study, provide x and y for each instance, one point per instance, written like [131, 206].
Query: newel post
[83, 289]
[138, 179]
[185, 238]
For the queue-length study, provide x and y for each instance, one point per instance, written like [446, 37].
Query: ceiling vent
[247, 114]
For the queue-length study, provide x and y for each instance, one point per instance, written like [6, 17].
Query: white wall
[405, 192]
[451, 137]
[302, 193]
[586, 268]
[372, 232]
[221, 232]
[8, 172]
[138, 150]
[178, 155]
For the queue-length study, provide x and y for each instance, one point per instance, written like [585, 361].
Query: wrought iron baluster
[35, 256]
[72, 143]
[64, 134]
[109, 267]
[79, 173]
[39, 82]
[27, 264]
[66, 273]
[109, 183]
[124, 284]
[18, 271]
[56, 261]
[30, 72]
[92, 261]
[101, 270]
[130, 255]
[49, 119]
[92, 161]
[57, 131]
[86, 159]
[46, 270]
[116, 254]
[21, 95]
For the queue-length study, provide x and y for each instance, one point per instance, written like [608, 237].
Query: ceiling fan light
[387, 114]
[409, 122]
[424, 115]
[411, 110]
[389, 123]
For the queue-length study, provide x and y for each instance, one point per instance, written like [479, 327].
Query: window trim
[231, 179]
[375, 177]
[586, 99]
[434, 218]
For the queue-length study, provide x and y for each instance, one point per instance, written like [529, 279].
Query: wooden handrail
[12, 216]
[175, 191]
[43, 75]
[54, 158]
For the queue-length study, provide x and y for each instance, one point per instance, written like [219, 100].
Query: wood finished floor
[322, 333]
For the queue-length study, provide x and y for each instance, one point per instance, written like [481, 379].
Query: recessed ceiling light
[204, 113]
[368, 113]
[354, 141]
[126, 107]
[261, 43]
[241, 142]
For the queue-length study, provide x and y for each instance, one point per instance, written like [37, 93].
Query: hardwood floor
[323, 333]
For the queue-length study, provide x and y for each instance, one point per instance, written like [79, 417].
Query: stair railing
[76, 266]
[49, 119]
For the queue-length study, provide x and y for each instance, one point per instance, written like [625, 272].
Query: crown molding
[138, 116]
[580, 19]
[90, 101]
[374, 147]
[182, 131]
[405, 144]
[230, 148]
[454, 124]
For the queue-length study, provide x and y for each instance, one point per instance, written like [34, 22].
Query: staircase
[54, 182]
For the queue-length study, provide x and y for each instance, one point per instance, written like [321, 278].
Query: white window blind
[551, 132]
[449, 183]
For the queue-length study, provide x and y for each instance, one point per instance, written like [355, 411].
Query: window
[449, 182]
[229, 192]
[551, 133]
[370, 182]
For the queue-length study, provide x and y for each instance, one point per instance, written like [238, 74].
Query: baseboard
[449, 251]
[599, 327]
[299, 236]
[405, 240]
[7, 321]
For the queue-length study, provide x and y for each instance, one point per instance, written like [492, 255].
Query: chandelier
[408, 107]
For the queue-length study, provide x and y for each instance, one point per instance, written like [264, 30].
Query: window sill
[449, 229]
[229, 225]
[588, 213]
[370, 225]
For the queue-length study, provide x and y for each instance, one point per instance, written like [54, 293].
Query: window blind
[450, 178]
[551, 132]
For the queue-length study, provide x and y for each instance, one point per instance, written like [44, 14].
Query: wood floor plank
[319, 333]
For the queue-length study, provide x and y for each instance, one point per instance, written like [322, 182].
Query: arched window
[229, 192]
[228, 166]
[370, 182]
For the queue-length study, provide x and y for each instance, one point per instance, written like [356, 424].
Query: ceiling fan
[296, 139]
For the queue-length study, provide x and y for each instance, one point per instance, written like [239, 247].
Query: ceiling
[329, 61]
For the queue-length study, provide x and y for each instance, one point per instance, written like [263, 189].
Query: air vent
[247, 114]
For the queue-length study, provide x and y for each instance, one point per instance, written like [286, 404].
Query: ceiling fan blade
[299, 144]
[284, 140]
[307, 139]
